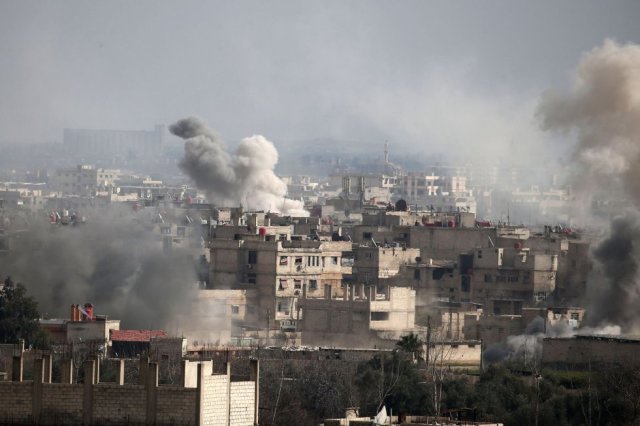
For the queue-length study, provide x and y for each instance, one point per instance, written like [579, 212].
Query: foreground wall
[214, 400]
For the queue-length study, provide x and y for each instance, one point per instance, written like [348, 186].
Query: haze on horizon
[423, 75]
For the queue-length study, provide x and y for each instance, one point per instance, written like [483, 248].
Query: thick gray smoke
[603, 110]
[245, 178]
[113, 261]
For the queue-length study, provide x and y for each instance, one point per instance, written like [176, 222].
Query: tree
[410, 343]
[393, 381]
[19, 316]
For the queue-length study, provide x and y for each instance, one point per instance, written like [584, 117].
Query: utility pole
[268, 325]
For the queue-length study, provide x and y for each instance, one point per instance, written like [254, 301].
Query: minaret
[386, 153]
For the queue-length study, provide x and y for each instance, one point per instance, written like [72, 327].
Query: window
[488, 278]
[416, 274]
[313, 261]
[367, 235]
[313, 285]
[252, 257]
[283, 284]
[235, 309]
[479, 254]
[297, 284]
[284, 260]
[575, 316]
[512, 278]
[334, 260]
[465, 284]
[298, 261]
[251, 278]
[379, 316]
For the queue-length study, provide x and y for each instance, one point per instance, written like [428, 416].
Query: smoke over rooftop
[245, 178]
[603, 111]
[114, 261]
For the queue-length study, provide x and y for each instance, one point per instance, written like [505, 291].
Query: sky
[424, 75]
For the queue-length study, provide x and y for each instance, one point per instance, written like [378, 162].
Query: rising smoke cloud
[603, 111]
[117, 263]
[245, 178]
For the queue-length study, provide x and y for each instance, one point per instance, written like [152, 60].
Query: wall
[242, 403]
[35, 402]
[581, 351]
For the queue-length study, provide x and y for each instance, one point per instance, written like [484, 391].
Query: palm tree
[410, 343]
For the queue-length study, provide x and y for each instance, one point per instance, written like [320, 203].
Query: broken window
[284, 260]
[235, 309]
[313, 285]
[488, 278]
[283, 284]
[367, 235]
[251, 278]
[297, 284]
[252, 257]
[334, 260]
[298, 261]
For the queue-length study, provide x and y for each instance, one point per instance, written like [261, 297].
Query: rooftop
[135, 335]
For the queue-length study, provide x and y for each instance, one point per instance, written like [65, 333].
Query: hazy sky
[453, 74]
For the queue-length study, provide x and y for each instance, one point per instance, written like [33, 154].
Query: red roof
[135, 335]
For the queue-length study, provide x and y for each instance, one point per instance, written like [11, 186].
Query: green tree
[19, 316]
[410, 343]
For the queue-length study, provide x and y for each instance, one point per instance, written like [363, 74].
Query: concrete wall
[580, 351]
[38, 402]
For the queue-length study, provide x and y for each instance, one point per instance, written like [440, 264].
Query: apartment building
[359, 317]
[83, 180]
[277, 271]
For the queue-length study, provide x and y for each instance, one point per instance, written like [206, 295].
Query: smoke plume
[603, 111]
[114, 261]
[245, 178]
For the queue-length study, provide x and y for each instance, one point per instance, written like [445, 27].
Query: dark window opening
[379, 316]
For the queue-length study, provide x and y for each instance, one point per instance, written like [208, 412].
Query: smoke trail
[247, 178]
[603, 110]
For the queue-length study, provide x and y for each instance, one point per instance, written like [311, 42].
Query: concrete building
[360, 317]
[83, 180]
[277, 271]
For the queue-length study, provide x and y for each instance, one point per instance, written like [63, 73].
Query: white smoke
[245, 178]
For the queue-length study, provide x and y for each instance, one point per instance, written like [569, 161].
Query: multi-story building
[278, 271]
[83, 180]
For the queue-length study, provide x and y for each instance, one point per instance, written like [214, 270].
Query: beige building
[277, 272]
[83, 180]
[359, 317]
